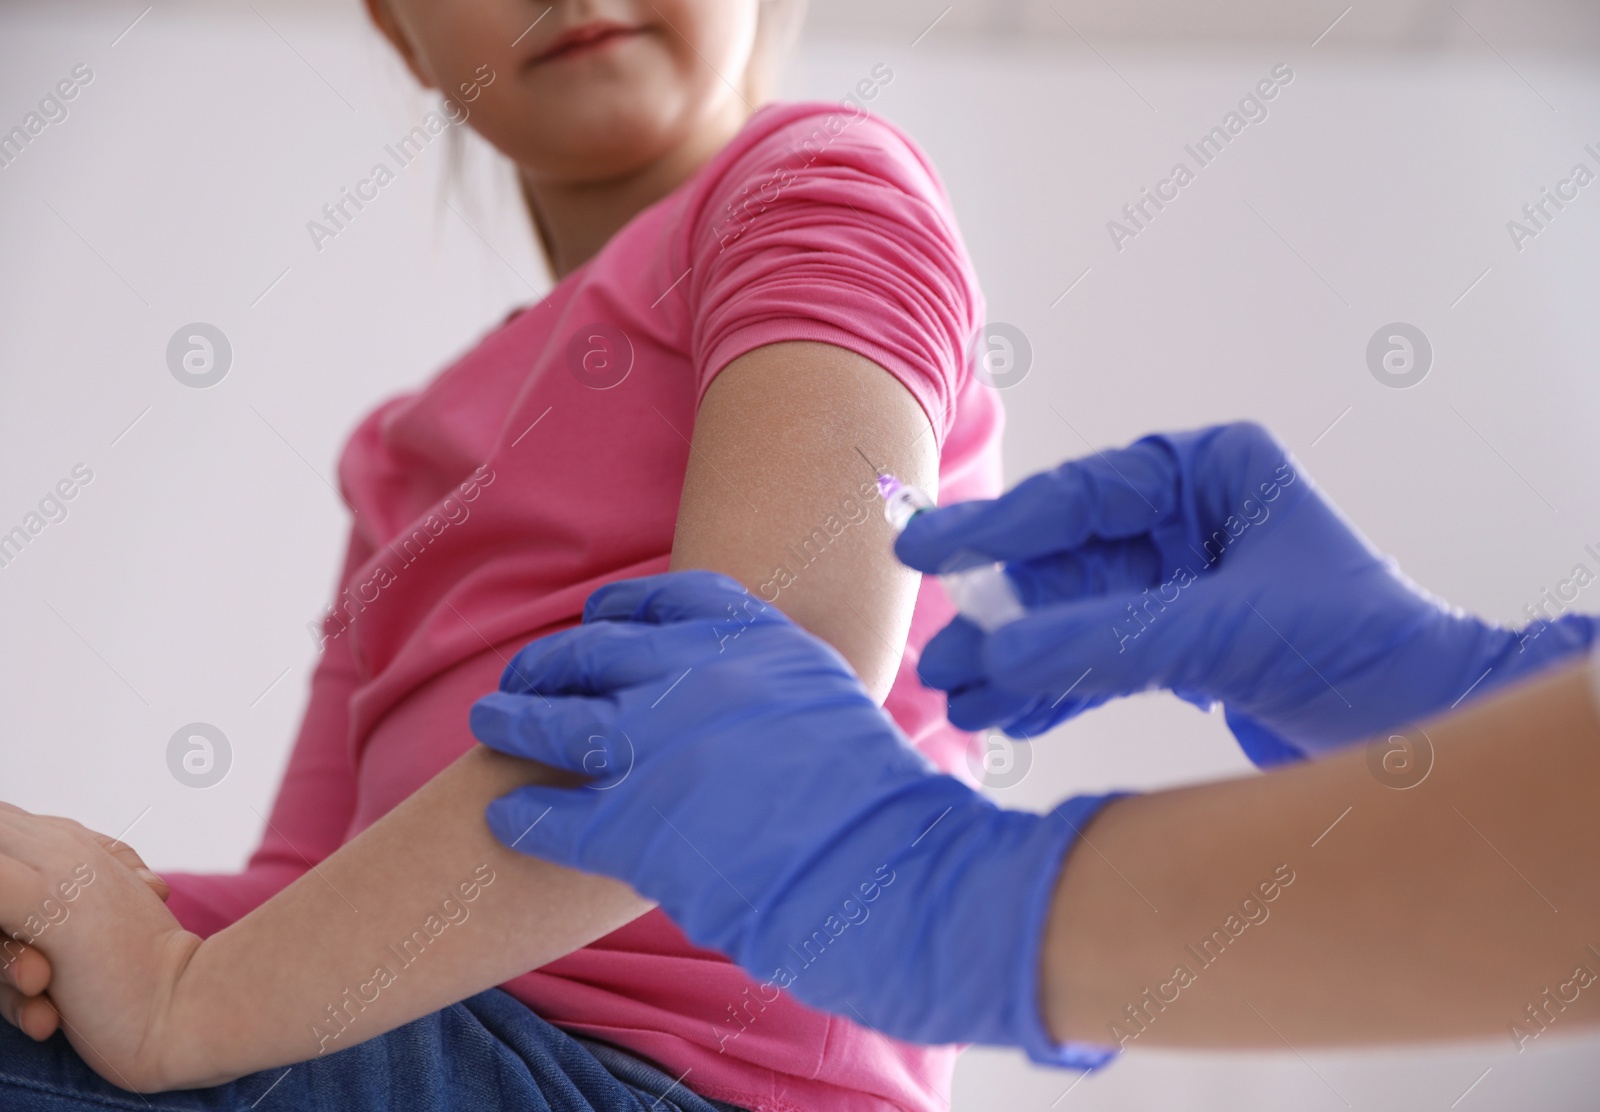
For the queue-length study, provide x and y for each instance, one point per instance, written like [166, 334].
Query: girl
[755, 307]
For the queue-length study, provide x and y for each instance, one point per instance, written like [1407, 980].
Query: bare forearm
[1439, 910]
[324, 964]
[421, 910]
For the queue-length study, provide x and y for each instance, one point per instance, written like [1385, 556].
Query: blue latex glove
[1207, 562]
[747, 782]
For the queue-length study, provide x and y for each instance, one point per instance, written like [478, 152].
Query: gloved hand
[746, 781]
[1208, 563]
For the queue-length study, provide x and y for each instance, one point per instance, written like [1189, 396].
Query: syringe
[982, 592]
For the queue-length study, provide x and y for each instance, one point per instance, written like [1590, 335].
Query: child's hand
[115, 953]
[26, 971]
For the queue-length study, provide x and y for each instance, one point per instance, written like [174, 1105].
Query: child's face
[595, 89]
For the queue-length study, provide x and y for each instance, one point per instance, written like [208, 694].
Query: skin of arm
[778, 450]
[774, 454]
[1439, 910]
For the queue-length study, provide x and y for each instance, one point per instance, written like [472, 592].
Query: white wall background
[179, 587]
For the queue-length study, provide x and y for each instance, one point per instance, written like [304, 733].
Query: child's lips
[585, 39]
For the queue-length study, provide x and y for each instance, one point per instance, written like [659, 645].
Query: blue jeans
[487, 1053]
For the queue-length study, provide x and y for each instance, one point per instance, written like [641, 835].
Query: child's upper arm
[774, 494]
[833, 310]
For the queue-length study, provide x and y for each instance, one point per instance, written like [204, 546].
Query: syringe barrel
[983, 594]
[902, 503]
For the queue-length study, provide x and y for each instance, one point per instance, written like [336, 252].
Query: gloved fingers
[543, 821]
[1227, 465]
[1095, 568]
[1095, 648]
[673, 597]
[933, 537]
[981, 705]
[953, 657]
[598, 659]
[1046, 714]
[1265, 748]
[952, 661]
[568, 731]
[1109, 495]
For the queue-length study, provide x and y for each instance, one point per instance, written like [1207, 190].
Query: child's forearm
[421, 910]
[780, 428]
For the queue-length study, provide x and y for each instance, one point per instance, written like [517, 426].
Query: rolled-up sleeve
[834, 229]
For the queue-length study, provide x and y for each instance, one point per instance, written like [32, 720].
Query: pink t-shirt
[489, 504]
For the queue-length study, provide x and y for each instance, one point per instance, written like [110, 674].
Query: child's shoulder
[786, 141]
